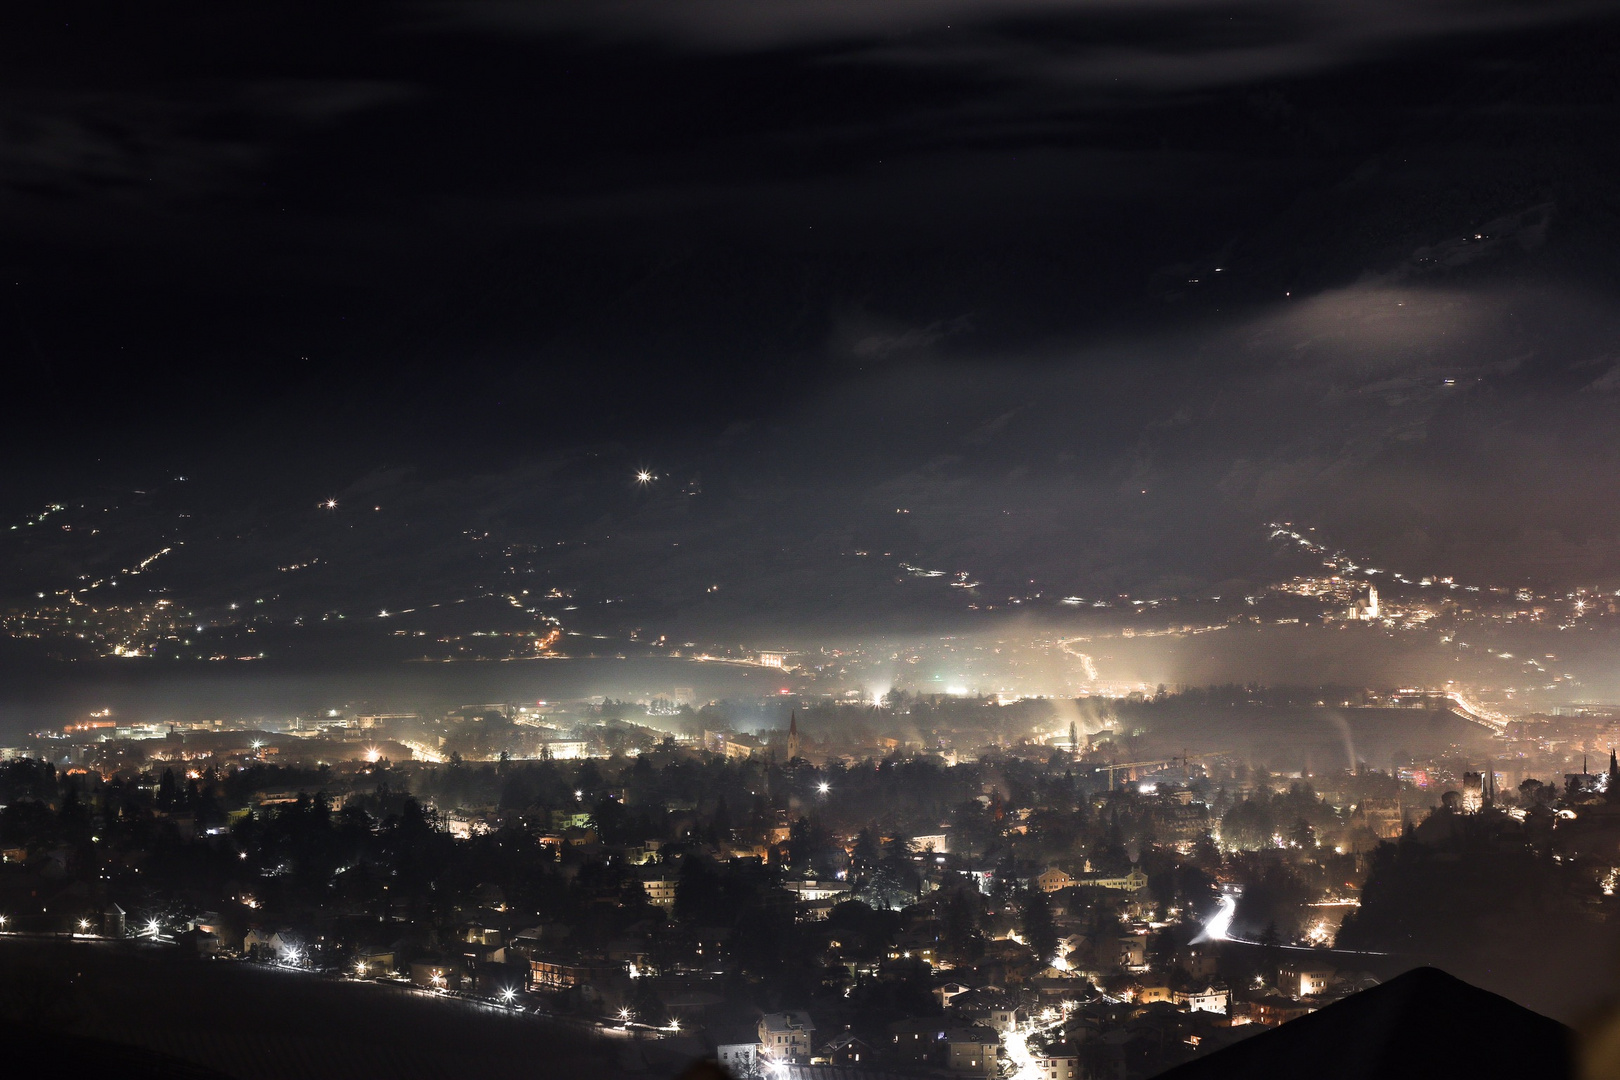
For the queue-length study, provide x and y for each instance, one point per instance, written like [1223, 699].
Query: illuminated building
[793, 737]
[785, 1036]
[1213, 999]
[1365, 610]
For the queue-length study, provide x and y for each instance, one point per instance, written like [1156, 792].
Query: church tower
[793, 736]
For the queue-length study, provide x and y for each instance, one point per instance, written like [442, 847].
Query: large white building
[1365, 610]
[785, 1036]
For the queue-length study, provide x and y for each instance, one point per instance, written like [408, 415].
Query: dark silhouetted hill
[1423, 1023]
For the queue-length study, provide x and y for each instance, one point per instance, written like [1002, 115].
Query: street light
[507, 995]
[152, 927]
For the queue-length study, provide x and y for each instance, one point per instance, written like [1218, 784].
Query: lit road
[1220, 923]
[1219, 928]
[1016, 1043]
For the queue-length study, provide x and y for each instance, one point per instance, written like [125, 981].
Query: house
[1052, 880]
[972, 1050]
[271, 945]
[948, 991]
[987, 1008]
[1055, 1066]
[562, 975]
[1304, 979]
[968, 1049]
[1210, 999]
[1133, 882]
[661, 887]
[494, 979]
[785, 1036]
[736, 1050]
[1276, 1010]
[917, 1040]
[436, 973]
[811, 890]
[370, 963]
[848, 1050]
[199, 941]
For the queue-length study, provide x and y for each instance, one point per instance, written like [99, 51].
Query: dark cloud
[1161, 45]
[1090, 291]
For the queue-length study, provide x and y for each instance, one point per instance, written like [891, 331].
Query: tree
[960, 932]
[1040, 932]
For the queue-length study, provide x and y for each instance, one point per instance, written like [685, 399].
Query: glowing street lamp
[644, 477]
[508, 995]
[84, 924]
[625, 1015]
[823, 787]
[153, 928]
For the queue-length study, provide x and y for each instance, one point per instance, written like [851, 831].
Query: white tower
[1372, 602]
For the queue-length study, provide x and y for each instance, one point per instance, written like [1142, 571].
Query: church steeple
[793, 736]
[1612, 792]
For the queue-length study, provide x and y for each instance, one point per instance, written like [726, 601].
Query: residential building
[786, 1036]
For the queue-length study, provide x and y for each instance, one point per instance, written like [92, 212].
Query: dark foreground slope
[58, 1056]
[247, 1022]
[1423, 1023]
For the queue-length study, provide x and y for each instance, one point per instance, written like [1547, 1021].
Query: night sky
[1067, 296]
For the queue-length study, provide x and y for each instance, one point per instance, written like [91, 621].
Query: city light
[644, 477]
[508, 995]
[823, 787]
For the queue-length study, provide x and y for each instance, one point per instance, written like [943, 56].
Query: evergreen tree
[1040, 931]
